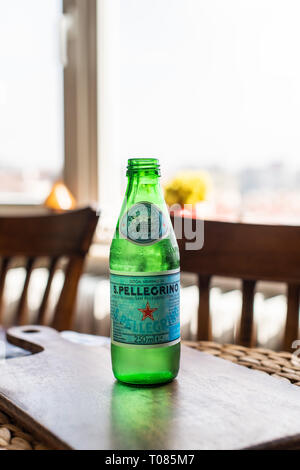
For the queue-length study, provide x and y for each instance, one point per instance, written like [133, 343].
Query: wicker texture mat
[12, 437]
[280, 365]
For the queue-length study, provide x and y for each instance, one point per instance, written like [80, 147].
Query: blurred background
[210, 87]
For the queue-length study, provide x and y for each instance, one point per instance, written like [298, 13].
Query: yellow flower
[188, 187]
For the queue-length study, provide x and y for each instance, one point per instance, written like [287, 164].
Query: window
[200, 84]
[31, 100]
[209, 85]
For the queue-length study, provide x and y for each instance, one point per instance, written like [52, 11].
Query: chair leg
[246, 335]
[292, 318]
[204, 324]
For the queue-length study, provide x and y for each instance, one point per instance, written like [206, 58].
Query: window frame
[80, 101]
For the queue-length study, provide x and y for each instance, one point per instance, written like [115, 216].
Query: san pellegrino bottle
[144, 282]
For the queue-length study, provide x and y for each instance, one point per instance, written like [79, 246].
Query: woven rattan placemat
[281, 365]
[12, 437]
[278, 364]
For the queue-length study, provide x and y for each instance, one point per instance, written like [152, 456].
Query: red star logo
[147, 312]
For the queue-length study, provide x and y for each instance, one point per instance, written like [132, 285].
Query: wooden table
[66, 395]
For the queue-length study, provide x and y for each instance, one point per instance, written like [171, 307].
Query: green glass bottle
[144, 282]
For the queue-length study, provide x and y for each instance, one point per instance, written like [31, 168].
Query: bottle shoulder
[144, 239]
[129, 257]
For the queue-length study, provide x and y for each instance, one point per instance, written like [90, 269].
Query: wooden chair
[54, 236]
[251, 253]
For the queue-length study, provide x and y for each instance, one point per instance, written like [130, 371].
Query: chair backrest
[251, 253]
[53, 236]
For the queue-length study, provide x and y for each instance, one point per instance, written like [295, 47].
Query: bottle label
[144, 224]
[145, 308]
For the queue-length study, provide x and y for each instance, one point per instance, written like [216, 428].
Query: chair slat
[63, 315]
[292, 318]
[21, 316]
[43, 307]
[246, 336]
[4, 269]
[204, 326]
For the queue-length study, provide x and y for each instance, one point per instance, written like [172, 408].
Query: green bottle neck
[143, 181]
[144, 187]
[143, 166]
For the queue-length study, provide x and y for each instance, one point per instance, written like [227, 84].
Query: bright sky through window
[211, 82]
[31, 99]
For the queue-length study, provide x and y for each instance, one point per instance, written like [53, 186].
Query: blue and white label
[145, 309]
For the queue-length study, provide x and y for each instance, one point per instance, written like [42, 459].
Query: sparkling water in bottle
[144, 282]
